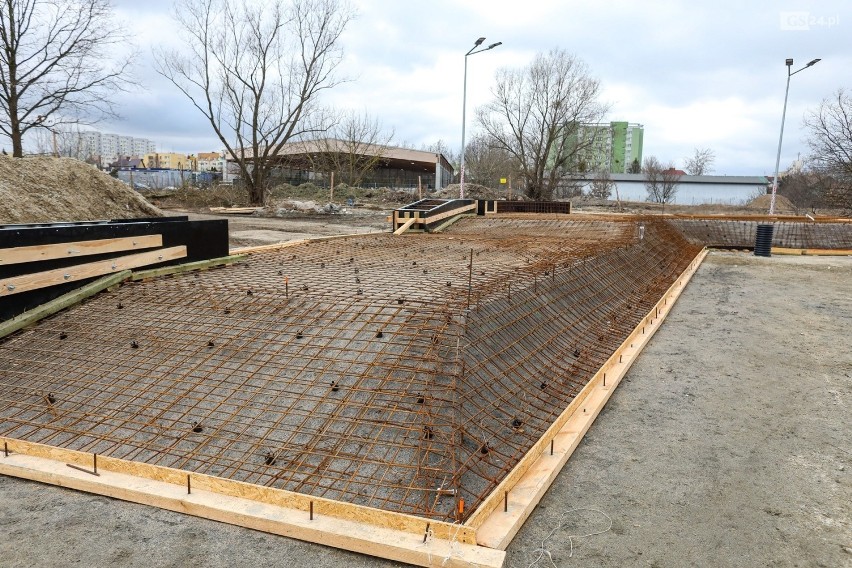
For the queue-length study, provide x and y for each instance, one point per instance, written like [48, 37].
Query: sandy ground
[250, 230]
[727, 444]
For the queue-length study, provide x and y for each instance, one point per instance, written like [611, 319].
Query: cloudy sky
[695, 74]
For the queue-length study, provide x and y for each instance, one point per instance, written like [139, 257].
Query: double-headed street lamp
[789, 63]
[473, 51]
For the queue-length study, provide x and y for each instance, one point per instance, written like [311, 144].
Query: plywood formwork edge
[278, 246]
[402, 522]
[187, 267]
[203, 499]
[501, 515]
[811, 252]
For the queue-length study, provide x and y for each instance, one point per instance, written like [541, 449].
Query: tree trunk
[14, 121]
[257, 185]
[534, 191]
[17, 145]
[255, 194]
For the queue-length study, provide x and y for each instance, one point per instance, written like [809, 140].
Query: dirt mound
[471, 191]
[41, 189]
[782, 204]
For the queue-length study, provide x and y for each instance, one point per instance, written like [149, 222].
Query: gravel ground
[727, 444]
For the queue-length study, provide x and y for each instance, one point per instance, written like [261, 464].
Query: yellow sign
[502, 180]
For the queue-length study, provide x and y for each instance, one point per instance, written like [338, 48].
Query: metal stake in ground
[470, 278]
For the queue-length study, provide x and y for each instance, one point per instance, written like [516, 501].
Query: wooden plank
[405, 226]
[278, 246]
[25, 282]
[431, 219]
[349, 534]
[16, 255]
[227, 487]
[812, 252]
[66, 300]
[533, 475]
[236, 210]
[187, 267]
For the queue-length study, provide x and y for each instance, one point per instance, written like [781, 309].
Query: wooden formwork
[478, 541]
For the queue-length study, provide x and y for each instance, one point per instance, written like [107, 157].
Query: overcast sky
[695, 74]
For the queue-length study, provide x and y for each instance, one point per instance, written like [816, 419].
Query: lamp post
[473, 51]
[789, 63]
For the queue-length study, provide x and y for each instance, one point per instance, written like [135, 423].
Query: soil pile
[471, 191]
[42, 189]
[782, 204]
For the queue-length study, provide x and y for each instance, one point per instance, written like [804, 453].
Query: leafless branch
[830, 139]
[58, 65]
[255, 71]
[535, 114]
[602, 185]
[660, 181]
[356, 143]
[701, 162]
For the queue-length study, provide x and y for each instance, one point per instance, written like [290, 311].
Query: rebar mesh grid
[402, 373]
[739, 233]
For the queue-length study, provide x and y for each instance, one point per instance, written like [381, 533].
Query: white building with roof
[691, 190]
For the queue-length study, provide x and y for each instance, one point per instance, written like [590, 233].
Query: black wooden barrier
[203, 240]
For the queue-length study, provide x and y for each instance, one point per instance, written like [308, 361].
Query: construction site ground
[726, 444]
[251, 230]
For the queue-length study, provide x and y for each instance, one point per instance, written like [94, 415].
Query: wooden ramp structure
[406, 397]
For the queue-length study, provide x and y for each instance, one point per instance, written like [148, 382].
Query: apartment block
[168, 161]
[210, 162]
[107, 146]
[611, 146]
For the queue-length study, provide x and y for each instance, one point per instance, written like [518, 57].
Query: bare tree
[486, 163]
[806, 189]
[255, 71]
[66, 142]
[536, 113]
[355, 145]
[602, 185]
[440, 147]
[57, 65]
[701, 162]
[660, 181]
[830, 138]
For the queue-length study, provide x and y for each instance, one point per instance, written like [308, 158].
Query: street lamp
[789, 63]
[473, 51]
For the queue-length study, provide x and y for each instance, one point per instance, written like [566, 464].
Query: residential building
[168, 161]
[611, 146]
[627, 139]
[107, 147]
[125, 163]
[210, 162]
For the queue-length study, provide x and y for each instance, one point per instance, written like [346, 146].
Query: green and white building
[612, 146]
